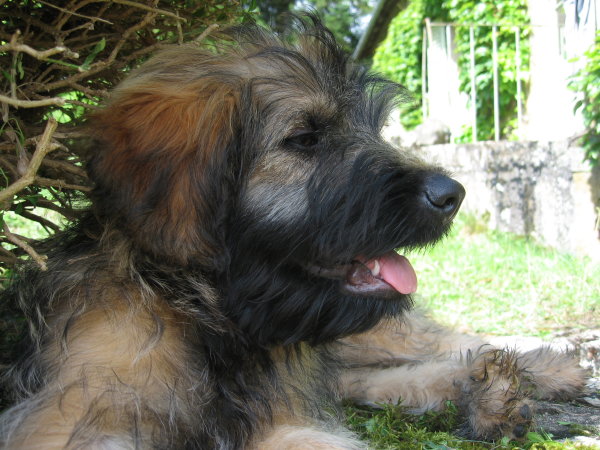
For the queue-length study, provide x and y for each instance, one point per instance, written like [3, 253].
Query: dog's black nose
[443, 194]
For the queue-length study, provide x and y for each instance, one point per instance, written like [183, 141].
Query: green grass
[392, 428]
[496, 283]
[483, 281]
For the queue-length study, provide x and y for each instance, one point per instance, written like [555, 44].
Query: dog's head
[260, 163]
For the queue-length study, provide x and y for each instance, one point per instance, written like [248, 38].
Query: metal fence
[433, 29]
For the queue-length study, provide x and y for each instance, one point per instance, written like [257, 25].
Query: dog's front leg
[486, 387]
[423, 365]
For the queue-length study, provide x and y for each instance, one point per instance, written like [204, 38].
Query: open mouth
[385, 275]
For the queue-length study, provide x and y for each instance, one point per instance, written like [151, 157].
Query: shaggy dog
[236, 275]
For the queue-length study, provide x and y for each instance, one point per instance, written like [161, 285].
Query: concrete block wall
[538, 189]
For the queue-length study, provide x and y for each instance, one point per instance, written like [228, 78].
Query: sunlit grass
[496, 283]
[392, 428]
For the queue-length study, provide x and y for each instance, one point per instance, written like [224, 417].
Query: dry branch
[60, 184]
[147, 8]
[39, 219]
[60, 60]
[42, 149]
[20, 242]
[91, 18]
[56, 101]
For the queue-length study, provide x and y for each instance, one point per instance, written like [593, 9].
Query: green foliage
[391, 427]
[400, 55]
[586, 84]
[342, 17]
[271, 12]
[513, 14]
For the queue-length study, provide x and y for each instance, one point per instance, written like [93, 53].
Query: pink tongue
[396, 271]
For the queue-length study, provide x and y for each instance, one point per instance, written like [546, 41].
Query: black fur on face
[324, 195]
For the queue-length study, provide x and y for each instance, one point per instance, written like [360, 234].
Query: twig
[206, 32]
[141, 52]
[65, 166]
[39, 219]
[134, 28]
[28, 141]
[58, 101]
[25, 246]
[71, 134]
[84, 104]
[5, 254]
[90, 93]
[74, 13]
[13, 45]
[101, 65]
[60, 184]
[42, 149]
[147, 8]
[6, 162]
[179, 32]
[47, 204]
[13, 75]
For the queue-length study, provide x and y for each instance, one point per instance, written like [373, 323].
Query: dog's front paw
[493, 400]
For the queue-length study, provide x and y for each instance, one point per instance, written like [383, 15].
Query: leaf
[62, 63]
[100, 45]
[7, 75]
[6, 181]
[33, 199]
[20, 68]
[535, 437]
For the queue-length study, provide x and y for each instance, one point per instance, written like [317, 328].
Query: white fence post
[424, 75]
[473, 84]
[496, 90]
[518, 75]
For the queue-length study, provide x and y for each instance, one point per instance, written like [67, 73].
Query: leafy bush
[585, 82]
[400, 55]
[513, 13]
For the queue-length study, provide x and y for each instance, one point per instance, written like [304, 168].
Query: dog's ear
[156, 174]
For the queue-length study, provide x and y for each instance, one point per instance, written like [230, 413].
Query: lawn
[484, 281]
[391, 428]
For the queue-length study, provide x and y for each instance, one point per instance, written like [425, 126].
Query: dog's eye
[302, 140]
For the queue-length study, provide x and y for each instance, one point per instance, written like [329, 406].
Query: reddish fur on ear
[160, 139]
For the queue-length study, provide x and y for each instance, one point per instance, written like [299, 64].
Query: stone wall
[539, 189]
